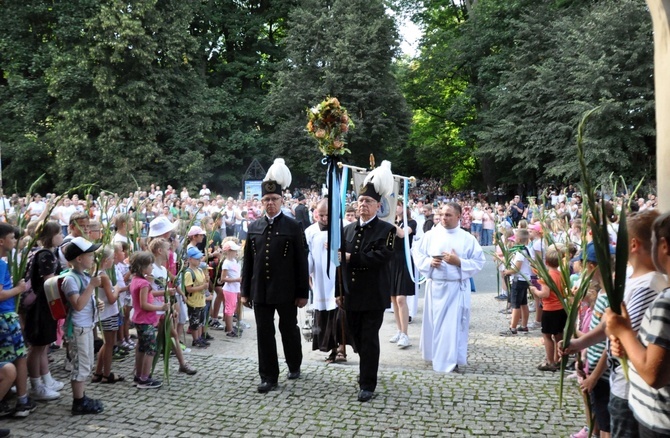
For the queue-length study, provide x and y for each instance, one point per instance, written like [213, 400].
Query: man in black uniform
[368, 247]
[301, 212]
[275, 278]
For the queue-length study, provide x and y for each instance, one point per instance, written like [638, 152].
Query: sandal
[332, 358]
[97, 378]
[113, 378]
[341, 357]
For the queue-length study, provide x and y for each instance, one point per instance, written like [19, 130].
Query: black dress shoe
[364, 395]
[294, 375]
[266, 387]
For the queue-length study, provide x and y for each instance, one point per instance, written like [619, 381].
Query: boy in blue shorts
[12, 346]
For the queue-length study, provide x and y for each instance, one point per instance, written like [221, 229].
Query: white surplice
[446, 310]
[323, 285]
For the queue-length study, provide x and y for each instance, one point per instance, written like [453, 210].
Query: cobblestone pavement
[500, 393]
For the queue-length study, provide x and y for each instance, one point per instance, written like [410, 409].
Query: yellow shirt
[195, 299]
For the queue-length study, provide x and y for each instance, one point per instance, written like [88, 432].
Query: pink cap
[195, 231]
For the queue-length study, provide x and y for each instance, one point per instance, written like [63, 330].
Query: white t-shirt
[65, 213]
[233, 268]
[110, 309]
[159, 273]
[523, 256]
[36, 209]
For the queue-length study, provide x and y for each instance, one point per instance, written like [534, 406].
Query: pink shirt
[142, 316]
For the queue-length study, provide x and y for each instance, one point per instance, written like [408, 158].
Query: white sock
[35, 382]
[48, 380]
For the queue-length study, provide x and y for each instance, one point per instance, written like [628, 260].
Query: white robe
[446, 310]
[323, 286]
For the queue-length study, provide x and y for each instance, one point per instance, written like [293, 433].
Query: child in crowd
[78, 288]
[195, 283]
[582, 365]
[231, 276]
[521, 272]
[553, 316]
[145, 318]
[39, 328]
[160, 248]
[597, 382]
[642, 288]
[648, 351]
[109, 318]
[535, 231]
[12, 345]
[123, 278]
[503, 236]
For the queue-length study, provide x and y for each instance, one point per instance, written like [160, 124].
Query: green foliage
[507, 82]
[344, 50]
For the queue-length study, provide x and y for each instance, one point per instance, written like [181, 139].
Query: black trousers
[268, 363]
[364, 327]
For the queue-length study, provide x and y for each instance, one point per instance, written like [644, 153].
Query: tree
[343, 49]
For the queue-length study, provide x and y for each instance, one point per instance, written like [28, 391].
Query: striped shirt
[594, 352]
[640, 293]
[652, 406]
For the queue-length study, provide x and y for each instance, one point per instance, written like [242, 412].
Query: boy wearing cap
[78, 288]
[195, 283]
[12, 346]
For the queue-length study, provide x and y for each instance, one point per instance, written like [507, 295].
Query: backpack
[28, 296]
[53, 289]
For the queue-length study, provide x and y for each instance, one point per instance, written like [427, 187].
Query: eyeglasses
[273, 199]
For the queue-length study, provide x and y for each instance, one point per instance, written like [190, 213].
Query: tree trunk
[660, 15]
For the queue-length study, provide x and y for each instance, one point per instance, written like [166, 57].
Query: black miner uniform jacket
[368, 272]
[275, 262]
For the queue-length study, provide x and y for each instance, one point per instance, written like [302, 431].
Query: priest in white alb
[448, 257]
[328, 319]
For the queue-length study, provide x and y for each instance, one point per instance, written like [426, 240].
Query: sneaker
[208, 337]
[403, 341]
[198, 344]
[42, 393]
[86, 406]
[584, 433]
[55, 385]
[522, 329]
[395, 338]
[509, 332]
[534, 325]
[24, 409]
[205, 342]
[215, 324]
[149, 384]
[545, 366]
[501, 297]
[187, 369]
[5, 409]
[232, 334]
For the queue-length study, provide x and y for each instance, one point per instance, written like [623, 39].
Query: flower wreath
[327, 122]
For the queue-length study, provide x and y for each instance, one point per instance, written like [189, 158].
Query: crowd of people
[163, 259]
[559, 238]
